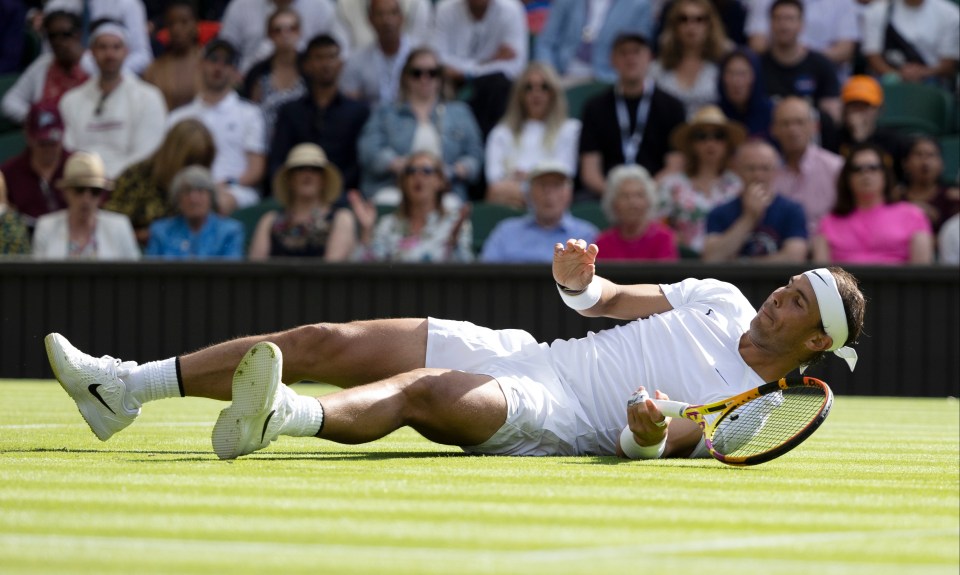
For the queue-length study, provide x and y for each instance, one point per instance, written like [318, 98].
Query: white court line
[206, 547]
[140, 424]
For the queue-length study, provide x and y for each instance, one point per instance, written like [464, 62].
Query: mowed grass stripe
[156, 496]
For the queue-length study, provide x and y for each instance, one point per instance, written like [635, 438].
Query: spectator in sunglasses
[83, 231]
[274, 81]
[535, 128]
[51, 75]
[421, 230]
[866, 225]
[690, 48]
[707, 143]
[420, 120]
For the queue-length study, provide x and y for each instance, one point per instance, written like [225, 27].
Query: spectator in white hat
[531, 237]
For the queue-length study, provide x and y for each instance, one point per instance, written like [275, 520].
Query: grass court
[875, 491]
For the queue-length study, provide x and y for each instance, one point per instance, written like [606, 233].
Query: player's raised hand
[574, 263]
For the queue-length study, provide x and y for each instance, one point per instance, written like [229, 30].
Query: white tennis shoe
[258, 409]
[95, 384]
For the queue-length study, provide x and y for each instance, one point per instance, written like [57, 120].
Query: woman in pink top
[864, 227]
[628, 204]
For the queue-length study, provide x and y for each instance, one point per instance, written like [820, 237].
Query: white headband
[111, 29]
[832, 315]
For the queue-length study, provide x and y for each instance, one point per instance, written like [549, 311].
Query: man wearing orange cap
[862, 99]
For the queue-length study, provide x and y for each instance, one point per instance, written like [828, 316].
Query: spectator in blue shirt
[531, 237]
[760, 224]
[196, 231]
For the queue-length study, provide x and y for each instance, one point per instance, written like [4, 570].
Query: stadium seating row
[483, 217]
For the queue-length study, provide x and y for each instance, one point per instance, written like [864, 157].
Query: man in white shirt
[245, 22]
[479, 37]
[131, 14]
[115, 114]
[372, 73]
[417, 20]
[483, 43]
[495, 391]
[236, 125]
[930, 30]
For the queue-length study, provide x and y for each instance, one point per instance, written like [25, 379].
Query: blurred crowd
[481, 130]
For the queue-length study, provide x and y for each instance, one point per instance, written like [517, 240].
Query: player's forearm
[628, 302]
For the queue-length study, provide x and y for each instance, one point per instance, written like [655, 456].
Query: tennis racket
[761, 424]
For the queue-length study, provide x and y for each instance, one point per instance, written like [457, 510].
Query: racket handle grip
[671, 408]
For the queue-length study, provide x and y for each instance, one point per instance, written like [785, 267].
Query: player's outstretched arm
[574, 267]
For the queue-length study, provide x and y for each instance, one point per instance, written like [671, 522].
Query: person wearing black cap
[236, 124]
[631, 122]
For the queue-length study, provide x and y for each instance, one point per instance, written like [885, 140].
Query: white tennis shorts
[543, 415]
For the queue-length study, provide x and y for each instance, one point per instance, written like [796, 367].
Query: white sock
[305, 414]
[153, 380]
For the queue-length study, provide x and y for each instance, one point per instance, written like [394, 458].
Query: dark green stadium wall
[150, 311]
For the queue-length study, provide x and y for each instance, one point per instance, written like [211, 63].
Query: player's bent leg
[95, 385]
[355, 353]
[445, 406]
[342, 354]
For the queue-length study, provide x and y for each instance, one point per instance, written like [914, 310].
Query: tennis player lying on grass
[494, 392]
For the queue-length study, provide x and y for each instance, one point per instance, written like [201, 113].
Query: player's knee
[423, 394]
[309, 339]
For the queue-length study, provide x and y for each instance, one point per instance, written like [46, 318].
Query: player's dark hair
[778, 3]
[854, 307]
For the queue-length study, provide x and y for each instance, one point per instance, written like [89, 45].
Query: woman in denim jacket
[420, 121]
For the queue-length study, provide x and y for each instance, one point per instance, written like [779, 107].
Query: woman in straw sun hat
[307, 185]
[707, 142]
[83, 230]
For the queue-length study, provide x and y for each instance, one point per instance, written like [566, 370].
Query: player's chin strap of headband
[832, 315]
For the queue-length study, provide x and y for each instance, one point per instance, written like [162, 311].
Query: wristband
[586, 299]
[634, 450]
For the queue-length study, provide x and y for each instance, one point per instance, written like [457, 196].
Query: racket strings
[768, 422]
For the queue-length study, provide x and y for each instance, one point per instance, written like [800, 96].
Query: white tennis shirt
[691, 353]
